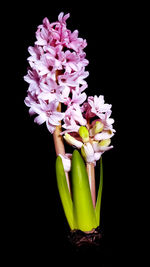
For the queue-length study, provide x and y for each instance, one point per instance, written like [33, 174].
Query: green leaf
[84, 212]
[64, 192]
[99, 195]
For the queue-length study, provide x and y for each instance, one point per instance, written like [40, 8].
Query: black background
[37, 226]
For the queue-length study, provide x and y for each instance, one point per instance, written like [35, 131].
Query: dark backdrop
[38, 225]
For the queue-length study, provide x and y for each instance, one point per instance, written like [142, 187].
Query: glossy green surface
[64, 192]
[84, 212]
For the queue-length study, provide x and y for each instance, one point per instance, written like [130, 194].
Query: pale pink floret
[46, 112]
[73, 119]
[96, 107]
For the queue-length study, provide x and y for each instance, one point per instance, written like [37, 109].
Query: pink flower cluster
[96, 110]
[57, 75]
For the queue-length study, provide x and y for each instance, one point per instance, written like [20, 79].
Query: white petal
[72, 141]
[103, 136]
[50, 127]
[88, 152]
[52, 120]
[66, 163]
[97, 155]
[40, 119]
[103, 149]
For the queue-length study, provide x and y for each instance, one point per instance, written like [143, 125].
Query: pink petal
[50, 127]
[40, 119]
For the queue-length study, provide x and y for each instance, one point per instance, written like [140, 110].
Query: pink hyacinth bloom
[63, 94]
[73, 119]
[73, 79]
[56, 49]
[107, 121]
[46, 113]
[96, 107]
[77, 98]
[36, 52]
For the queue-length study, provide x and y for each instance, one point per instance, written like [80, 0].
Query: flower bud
[87, 152]
[72, 141]
[95, 145]
[104, 143]
[66, 160]
[84, 133]
[97, 128]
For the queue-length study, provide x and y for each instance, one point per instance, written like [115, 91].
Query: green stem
[99, 195]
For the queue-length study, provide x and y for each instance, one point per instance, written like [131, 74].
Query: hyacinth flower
[56, 78]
